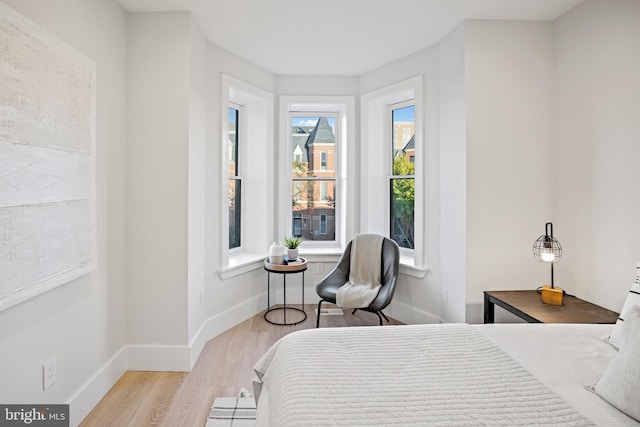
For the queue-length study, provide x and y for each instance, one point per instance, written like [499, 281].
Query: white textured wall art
[47, 161]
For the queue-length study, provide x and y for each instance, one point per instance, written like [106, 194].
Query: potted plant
[292, 244]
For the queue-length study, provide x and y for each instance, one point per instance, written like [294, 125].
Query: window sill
[333, 254]
[408, 267]
[242, 263]
[321, 254]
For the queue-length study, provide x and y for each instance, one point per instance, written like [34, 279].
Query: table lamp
[547, 249]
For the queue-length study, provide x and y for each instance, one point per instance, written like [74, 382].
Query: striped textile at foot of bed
[232, 412]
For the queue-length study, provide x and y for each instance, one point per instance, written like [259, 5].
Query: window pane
[233, 142]
[402, 207]
[403, 139]
[235, 209]
[313, 208]
[402, 189]
[313, 147]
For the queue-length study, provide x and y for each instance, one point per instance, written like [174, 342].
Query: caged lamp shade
[547, 248]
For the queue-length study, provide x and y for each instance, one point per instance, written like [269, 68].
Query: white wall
[197, 193]
[510, 168]
[176, 298]
[317, 85]
[157, 178]
[597, 47]
[82, 323]
[453, 167]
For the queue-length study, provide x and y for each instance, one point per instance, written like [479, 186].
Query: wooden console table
[528, 305]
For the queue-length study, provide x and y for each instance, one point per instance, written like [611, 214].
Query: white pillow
[633, 298]
[620, 383]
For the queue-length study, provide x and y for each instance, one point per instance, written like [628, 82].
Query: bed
[444, 375]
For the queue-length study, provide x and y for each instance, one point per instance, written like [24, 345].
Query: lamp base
[551, 295]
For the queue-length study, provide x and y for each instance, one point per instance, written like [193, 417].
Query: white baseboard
[409, 315]
[173, 358]
[88, 396]
[182, 358]
[215, 325]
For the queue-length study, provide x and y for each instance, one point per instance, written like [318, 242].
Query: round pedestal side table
[298, 266]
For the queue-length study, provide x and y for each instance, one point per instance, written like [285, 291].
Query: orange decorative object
[551, 295]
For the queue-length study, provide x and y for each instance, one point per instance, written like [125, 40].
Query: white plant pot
[292, 254]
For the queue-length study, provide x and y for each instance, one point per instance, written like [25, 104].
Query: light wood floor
[224, 366]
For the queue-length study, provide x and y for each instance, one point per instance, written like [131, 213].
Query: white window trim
[257, 173]
[344, 106]
[375, 168]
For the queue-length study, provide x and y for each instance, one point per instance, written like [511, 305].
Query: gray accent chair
[328, 287]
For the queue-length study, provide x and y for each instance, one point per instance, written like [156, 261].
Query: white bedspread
[444, 375]
[565, 358]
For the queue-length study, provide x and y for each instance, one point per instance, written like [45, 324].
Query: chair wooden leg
[318, 317]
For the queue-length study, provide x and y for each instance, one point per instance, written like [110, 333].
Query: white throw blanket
[364, 272]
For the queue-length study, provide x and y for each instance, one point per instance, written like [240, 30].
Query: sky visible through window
[404, 114]
[311, 121]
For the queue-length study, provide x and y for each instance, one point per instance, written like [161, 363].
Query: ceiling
[339, 37]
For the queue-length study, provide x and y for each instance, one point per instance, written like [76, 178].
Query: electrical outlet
[319, 267]
[49, 373]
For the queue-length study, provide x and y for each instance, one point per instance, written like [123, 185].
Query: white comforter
[444, 375]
